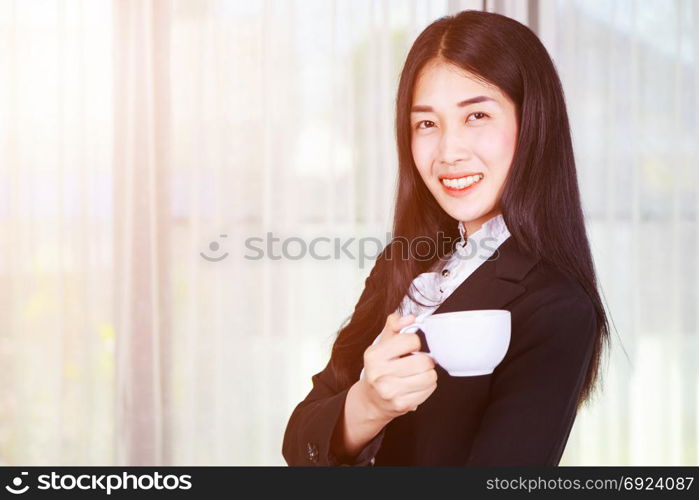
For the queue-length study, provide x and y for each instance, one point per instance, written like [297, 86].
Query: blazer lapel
[495, 283]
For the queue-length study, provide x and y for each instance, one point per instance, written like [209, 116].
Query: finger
[416, 383]
[399, 322]
[414, 399]
[410, 365]
[398, 345]
[394, 323]
[387, 328]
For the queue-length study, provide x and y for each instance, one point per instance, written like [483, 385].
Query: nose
[453, 147]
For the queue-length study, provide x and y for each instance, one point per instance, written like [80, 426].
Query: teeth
[462, 182]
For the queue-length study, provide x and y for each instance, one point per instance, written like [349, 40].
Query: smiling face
[463, 140]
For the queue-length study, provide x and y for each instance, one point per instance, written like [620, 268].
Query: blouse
[433, 287]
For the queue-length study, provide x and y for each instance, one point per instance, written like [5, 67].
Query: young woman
[485, 153]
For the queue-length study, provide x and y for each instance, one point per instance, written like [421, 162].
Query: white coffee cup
[466, 343]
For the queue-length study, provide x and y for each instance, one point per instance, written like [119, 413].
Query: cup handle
[417, 326]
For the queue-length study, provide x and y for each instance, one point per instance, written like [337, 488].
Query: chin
[466, 214]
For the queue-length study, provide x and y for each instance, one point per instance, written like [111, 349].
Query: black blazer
[521, 414]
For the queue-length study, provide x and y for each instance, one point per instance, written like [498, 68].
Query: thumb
[395, 322]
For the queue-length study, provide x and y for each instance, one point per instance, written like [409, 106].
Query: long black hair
[540, 201]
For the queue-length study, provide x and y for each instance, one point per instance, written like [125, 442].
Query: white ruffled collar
[494, 227]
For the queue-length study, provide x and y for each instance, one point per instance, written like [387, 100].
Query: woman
[484, 152]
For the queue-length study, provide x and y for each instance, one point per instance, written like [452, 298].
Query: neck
[474, 225]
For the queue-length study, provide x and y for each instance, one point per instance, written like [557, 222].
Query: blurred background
[142, 143]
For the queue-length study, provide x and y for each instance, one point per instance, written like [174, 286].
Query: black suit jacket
[521, 414]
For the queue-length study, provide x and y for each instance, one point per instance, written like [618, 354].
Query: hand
[394, 385]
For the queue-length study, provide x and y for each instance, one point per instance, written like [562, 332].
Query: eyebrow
[466, 102]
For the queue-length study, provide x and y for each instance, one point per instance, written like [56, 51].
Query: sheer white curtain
[630, 70]
[137, 136]
[143, 143]
[57, 329]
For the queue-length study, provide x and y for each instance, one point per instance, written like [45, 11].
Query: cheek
[497, 148]
[422, 155]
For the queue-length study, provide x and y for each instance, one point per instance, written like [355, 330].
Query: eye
[425, 124]
[476, 113]
[428, 124]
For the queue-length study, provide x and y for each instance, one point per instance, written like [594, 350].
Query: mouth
[462, 183]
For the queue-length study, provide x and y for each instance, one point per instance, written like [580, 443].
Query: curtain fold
[141, 233]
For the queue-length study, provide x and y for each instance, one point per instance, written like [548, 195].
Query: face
[462, 149]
